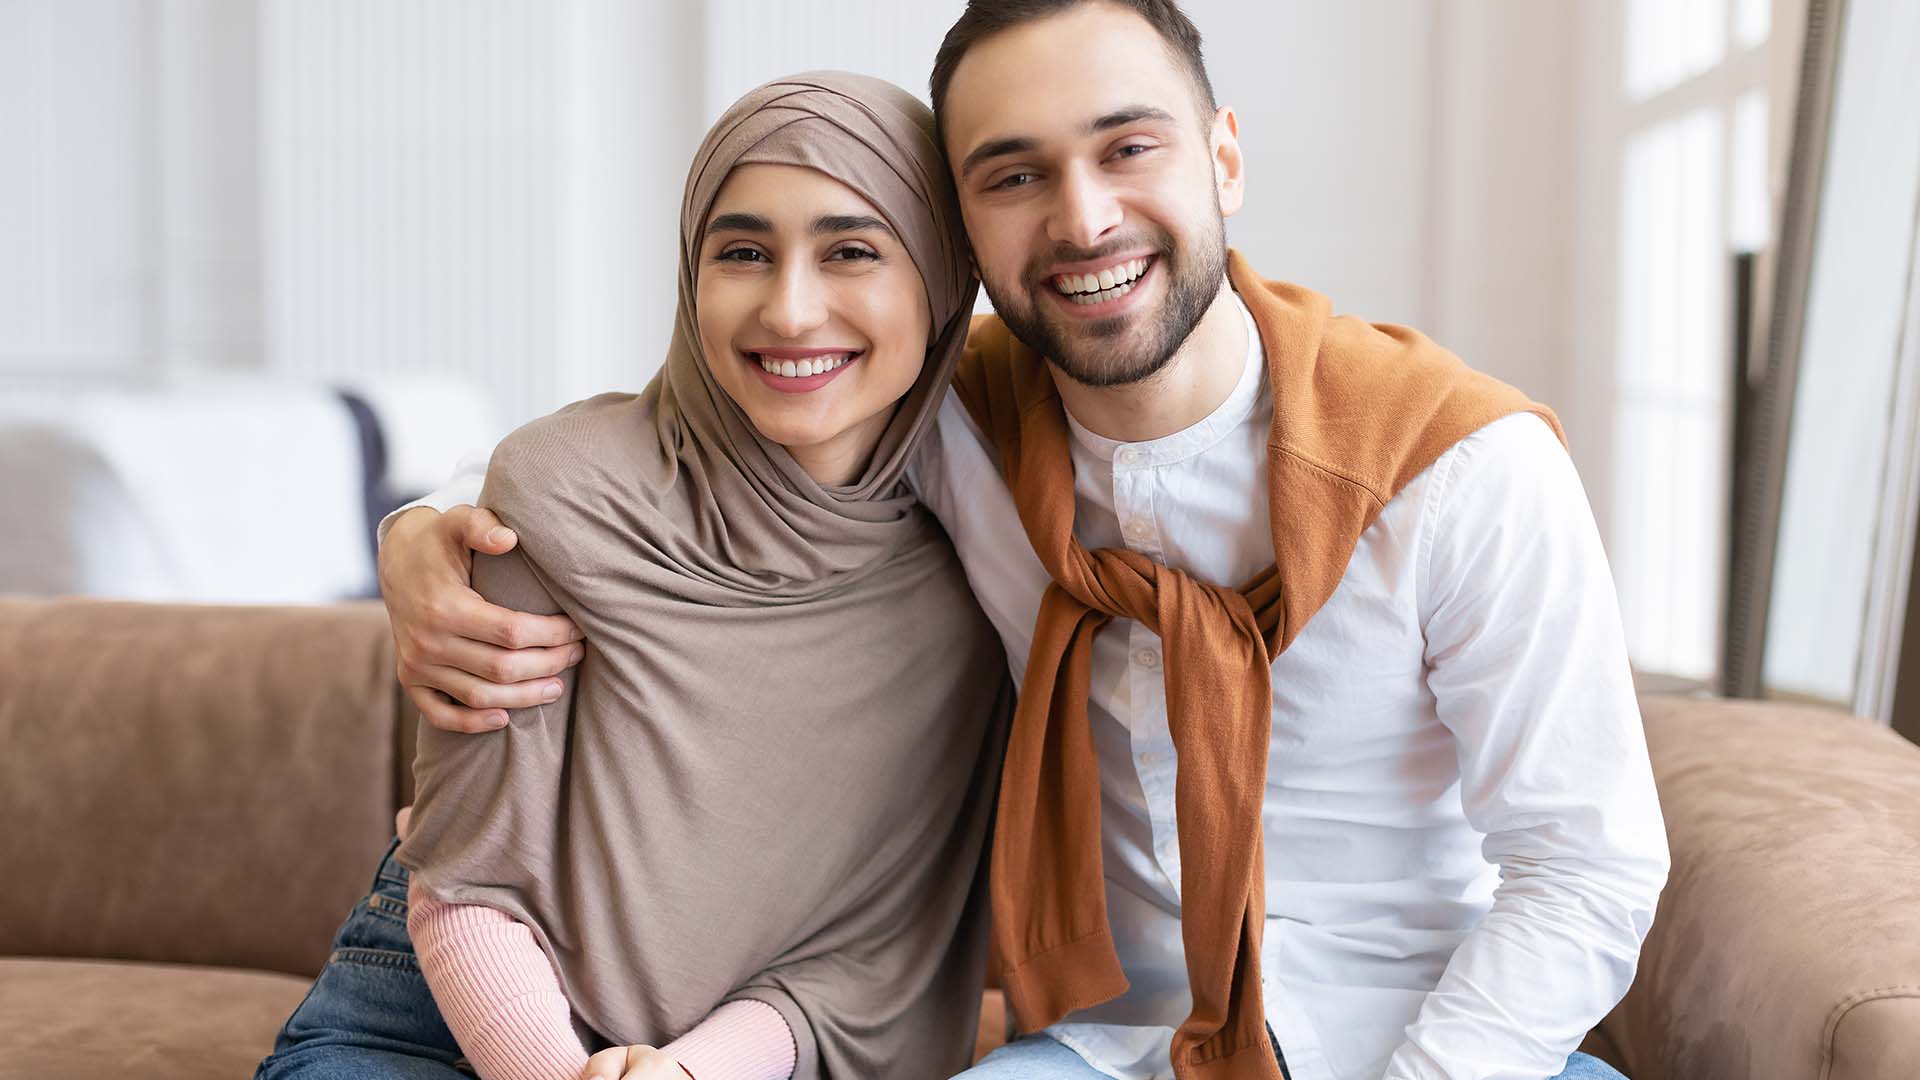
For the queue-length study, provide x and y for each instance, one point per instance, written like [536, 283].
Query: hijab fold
[771, 776]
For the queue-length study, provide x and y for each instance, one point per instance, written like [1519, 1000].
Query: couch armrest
[1787, 943]
[192, 784]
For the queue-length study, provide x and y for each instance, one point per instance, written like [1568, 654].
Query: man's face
[1094, 189]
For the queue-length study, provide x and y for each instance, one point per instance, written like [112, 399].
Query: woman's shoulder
[548, 463]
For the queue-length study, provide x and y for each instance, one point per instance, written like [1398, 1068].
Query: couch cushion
[192, 784]
[1787, 945]
[94, 1018]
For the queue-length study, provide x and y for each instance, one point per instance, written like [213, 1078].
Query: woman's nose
[795, 304]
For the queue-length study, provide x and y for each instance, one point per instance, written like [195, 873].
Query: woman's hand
[632, 1063]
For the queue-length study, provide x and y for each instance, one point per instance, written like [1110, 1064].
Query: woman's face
[811, 315]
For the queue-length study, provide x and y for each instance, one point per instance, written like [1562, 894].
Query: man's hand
[632, 1063]
[463, 661]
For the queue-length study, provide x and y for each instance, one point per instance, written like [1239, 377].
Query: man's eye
[1131, 150]
[1015, 180]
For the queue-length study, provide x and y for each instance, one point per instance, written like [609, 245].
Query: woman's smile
[800, 371]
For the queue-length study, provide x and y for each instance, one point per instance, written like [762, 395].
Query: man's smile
[1101, 290]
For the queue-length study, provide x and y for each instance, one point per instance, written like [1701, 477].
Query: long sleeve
[1528, 667]
[744, 1039]
[496, 990]
[500, 998]
[461, 489]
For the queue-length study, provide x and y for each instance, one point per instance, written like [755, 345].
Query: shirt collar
[1201, 435]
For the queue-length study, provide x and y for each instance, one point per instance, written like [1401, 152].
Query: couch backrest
[193, 784]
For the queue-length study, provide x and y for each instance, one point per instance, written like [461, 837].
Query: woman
[752, 822]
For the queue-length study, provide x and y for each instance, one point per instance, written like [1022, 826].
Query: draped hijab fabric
[1359, 411]
[771, 777]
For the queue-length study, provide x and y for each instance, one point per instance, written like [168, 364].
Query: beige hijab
[772, 775]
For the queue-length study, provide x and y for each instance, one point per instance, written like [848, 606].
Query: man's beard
[1099, 352]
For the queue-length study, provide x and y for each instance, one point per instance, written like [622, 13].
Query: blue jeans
[369, 1014]
[1037, 1057]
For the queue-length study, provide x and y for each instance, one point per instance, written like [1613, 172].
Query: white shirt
[1463, 843]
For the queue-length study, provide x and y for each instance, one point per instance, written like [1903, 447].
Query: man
[1458, 848]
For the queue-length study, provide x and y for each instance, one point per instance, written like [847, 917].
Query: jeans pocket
[372, 998]
[378, 923]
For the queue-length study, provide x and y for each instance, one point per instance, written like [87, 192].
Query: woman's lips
[799, 371]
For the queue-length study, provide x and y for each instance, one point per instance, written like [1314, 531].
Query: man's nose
[1085, 209]
[795, 304]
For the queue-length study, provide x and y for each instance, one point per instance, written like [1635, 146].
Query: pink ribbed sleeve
[496, 991]
[502, 1001]
[741, 1040]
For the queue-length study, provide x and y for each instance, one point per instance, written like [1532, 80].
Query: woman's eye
[849, 253]
[741, 254]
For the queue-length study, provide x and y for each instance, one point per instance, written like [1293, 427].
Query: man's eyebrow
[1020, 144]
[1132, 114]
[739, 222]
[826, 224]
[986, 151]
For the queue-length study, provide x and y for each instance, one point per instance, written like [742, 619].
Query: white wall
[491, 187]
[78, 195]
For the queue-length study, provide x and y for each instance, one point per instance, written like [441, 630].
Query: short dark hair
[984, 18]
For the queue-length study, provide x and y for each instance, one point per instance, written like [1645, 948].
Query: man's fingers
[475, 693]
[497, 665]
[518, 630]
[482, 531]
[449, 715]
[456, 611]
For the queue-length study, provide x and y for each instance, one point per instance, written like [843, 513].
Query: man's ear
[1229, 165]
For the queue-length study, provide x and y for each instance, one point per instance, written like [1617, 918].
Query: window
[1691, 109]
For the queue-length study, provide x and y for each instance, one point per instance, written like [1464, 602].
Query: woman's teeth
[800, 369]
[1098, 288]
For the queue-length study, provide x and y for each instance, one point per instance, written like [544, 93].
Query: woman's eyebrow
[739, 222]
[839, 223]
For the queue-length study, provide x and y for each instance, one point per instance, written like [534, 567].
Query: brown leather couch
[192, 797]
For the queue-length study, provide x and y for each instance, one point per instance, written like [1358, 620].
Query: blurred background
[269, 267]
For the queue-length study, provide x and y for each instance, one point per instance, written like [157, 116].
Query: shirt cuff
[740, 1040]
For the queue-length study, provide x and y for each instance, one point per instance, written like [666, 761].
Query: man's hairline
[1206, 105]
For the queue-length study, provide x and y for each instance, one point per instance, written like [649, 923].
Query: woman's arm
[503, 1003]
[496, 990]
[494, 983]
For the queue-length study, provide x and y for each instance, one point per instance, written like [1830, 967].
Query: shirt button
[1149, 758]
[1139, 529]
[1147, 658]
[1130, 456]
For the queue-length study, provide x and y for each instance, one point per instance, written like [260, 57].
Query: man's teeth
[800, 369]
[1097, 288]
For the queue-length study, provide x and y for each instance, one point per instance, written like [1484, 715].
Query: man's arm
[464, 661]
[1528, 666]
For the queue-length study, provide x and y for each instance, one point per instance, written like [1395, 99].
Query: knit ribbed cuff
[741, 1040]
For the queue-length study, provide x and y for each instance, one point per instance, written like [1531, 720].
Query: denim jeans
[369, 1014]
[1037, 1057]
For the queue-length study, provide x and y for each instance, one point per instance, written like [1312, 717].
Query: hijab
[772, 775]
